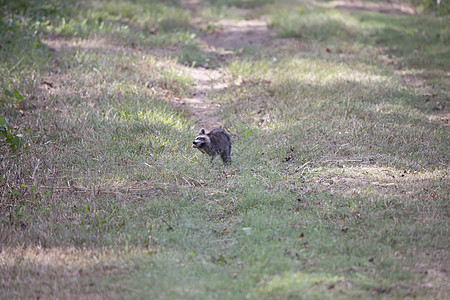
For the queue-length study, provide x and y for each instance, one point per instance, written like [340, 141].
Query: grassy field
[339, 186]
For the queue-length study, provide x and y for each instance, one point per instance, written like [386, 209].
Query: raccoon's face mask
[200, 142]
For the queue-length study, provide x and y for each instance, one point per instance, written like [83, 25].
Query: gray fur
[216, 142]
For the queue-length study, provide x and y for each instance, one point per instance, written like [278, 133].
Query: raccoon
[217, 141]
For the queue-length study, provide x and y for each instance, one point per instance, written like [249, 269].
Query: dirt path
[200, 104]
[231, 35]
[228, 37]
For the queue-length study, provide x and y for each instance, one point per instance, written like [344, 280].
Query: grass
[339, 182]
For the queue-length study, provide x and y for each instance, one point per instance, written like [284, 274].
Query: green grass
[339, 181]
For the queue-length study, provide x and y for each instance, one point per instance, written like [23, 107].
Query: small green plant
[7, 137]
[13, 140]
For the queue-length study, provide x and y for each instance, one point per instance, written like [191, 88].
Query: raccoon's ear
[202, 131]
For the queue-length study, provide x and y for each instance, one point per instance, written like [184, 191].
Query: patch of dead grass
[392, 8]
[381, 182]
[60, 272]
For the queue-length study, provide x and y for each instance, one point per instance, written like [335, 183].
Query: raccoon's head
[201, 140]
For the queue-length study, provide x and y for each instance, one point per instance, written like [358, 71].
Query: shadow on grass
[425, 46]
[341, 120]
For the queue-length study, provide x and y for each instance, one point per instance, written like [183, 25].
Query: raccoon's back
[220, 139]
